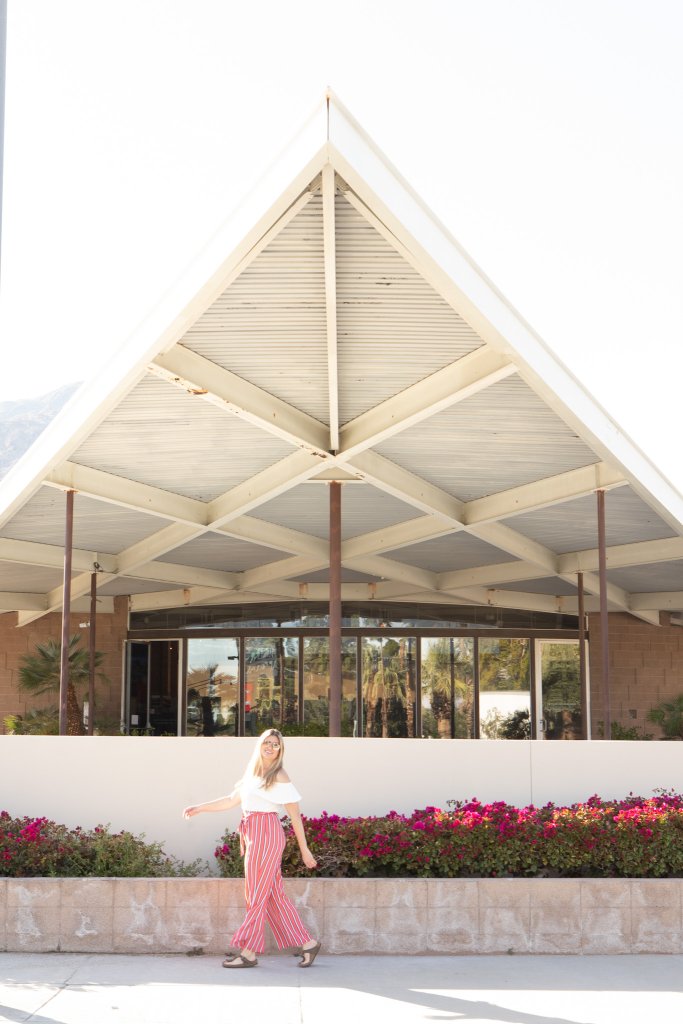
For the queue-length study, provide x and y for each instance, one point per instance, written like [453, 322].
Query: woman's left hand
[308, 859]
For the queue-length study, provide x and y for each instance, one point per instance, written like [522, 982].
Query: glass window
[388, 686]
[317, 686]
[447, 687]
[504, 689]
[561, 711]
[213, 688]
[271, 697]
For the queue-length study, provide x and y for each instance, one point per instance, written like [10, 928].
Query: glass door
[151, 705]
[558, 690]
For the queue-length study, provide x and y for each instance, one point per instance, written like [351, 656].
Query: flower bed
[631, 838]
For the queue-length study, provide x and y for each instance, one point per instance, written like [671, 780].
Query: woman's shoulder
[282, 776]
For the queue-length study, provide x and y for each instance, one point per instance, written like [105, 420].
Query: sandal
[309, 955]
[235, 962]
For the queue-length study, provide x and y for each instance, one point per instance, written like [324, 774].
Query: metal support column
[583, 681]
[604, 627]
[93, 638]
[66, 612]
[335, 609]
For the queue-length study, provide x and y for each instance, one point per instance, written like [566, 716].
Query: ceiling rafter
[11, 601]
[127, 493]
[495, 598]
[620, 556]
[671, 600]
[51, 556]
[456, 382]
[209, 382]
[330, 265]
[483, 575]
[540, 494]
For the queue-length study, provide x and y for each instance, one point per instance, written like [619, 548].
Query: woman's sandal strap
[309, 955]
[239, 961]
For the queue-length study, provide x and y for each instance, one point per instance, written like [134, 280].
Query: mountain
[21, 422]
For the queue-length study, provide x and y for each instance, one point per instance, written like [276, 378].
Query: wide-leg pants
[264, 840]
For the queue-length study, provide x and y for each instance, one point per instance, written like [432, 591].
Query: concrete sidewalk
[74, 988]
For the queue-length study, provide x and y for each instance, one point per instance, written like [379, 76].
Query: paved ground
[71, 988]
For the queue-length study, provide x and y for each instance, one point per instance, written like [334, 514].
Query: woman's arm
[223, 803]
[298, 826]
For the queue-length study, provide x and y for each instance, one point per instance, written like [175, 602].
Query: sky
[545, 134]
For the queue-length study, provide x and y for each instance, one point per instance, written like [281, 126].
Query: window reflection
[317, 687]
[389, 686]
[561, 691]
[212, 686]
[271, 699]
[447, 687]
[504, 689]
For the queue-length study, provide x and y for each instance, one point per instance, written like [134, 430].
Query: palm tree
[39, 673]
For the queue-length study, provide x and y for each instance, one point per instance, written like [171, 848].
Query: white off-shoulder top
[255, 798]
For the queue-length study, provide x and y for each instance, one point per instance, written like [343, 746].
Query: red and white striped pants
[264, 840]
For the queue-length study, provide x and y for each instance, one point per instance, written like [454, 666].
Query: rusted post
[604, 628]
[91, 678]
[66, 612]
[583, 681]
[335, 609]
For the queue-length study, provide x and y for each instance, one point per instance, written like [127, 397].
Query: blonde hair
[256, 766]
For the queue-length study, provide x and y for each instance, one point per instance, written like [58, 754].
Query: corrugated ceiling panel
[226, 553]
[165, 437]
[306, 508]
[649, 579]
[500, 438]
[28, 579]
[573, 526]
[392, 327]
[98, 526]
[276, 308]
[454, 551]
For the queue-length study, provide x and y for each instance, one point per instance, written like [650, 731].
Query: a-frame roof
[334, 329]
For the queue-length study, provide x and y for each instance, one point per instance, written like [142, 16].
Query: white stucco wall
[142, 784]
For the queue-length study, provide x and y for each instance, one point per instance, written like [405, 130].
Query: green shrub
[31, 847]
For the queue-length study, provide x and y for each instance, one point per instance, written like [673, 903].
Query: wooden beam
[212, 383]
[441, 390]
[553, 490]
[330, 265]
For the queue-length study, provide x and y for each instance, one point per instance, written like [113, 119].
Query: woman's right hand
[190, 812]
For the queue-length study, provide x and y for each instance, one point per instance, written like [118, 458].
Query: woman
[264, 792]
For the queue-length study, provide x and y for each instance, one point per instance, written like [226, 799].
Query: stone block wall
[646, 667]
[378, 916]
[17, 642]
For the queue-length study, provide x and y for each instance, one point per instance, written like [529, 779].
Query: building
[335, 430]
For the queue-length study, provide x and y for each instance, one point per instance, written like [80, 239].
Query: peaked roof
[333, 329]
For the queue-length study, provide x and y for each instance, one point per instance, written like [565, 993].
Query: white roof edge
[477, 299]
[281, 184]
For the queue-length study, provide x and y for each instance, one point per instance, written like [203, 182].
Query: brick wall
[15, 642]
[646, 667]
